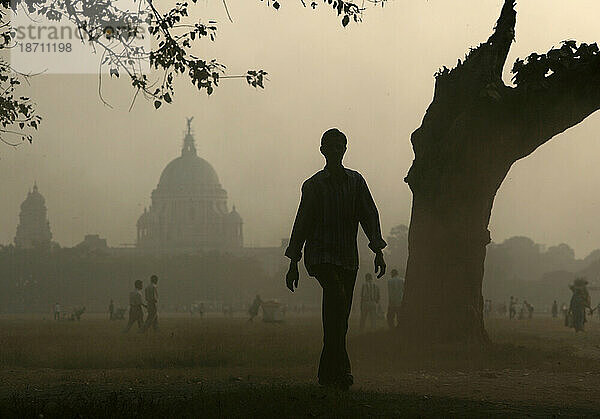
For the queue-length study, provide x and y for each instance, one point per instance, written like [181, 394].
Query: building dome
[189, 207]
[234, 216]
[34, 201]
[187, 171]
[33, 229]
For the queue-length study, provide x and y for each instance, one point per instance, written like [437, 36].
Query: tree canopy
[109, 30]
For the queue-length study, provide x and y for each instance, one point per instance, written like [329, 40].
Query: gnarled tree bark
[473, 131]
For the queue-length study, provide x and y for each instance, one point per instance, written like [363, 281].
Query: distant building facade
[189, 209]
[93, 242]
[33, 229]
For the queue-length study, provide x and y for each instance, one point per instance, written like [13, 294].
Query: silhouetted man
[512, 308]
[253, 310]
[111, 310]
[395, 294]
[151, 293]
[369, 299]
[554, 309]
[334, 201]
[56, 311]
[136, 315]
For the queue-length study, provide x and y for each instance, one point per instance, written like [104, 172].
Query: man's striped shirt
[327, 221]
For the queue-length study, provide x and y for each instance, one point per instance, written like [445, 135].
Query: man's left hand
[379, 264]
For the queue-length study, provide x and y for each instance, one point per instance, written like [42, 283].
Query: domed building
[34, 228]
[189, 208]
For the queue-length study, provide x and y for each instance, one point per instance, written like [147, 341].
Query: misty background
[96, 166]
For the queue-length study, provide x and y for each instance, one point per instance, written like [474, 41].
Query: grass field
[229, 368]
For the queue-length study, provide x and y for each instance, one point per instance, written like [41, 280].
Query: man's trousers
[338, 288]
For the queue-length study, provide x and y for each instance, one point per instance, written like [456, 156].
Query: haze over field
[97, 166]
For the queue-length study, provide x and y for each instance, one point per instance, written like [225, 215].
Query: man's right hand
[292, 276]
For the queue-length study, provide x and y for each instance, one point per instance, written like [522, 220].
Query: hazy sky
[97, 166]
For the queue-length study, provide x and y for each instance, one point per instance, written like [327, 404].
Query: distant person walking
[111, 310]
[580, 300]
[565, 311]
[56, 311]
[369, 299]
[77, 313]
[334, 201]
[254, 307]
[527, 308]
[395, 294]
[554, 309]
[487, 308]
[136, 314]
[512, 308]
[151, 294]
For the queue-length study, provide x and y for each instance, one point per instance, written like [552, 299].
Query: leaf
[157, 104]
[276, 5]
[345, 21]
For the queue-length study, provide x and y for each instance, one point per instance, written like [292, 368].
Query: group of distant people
[370, 306]
[574, 314]
[75, 314]
[136, 312]
[525, 310]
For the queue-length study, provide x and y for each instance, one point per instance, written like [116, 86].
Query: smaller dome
[34, 200]
[234, 216]
[143, 218]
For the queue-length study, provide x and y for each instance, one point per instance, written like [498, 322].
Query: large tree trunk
[447, 243]
[443, 298]
[474, 130]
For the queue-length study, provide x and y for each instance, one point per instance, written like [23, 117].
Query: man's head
[333, 146]
[138, 284]
[368, 277]
[394, 273]
[154, 279]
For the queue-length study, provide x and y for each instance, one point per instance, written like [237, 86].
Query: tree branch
[463, 85]
[561, 102]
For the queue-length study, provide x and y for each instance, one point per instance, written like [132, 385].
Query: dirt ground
[218, 367]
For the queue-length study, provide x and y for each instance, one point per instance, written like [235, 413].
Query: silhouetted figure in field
[526, 311]
[369, 299]
[580, 300]
[395, 294]
[334, 201]
[136, 315]
[501, 310]
[111, 310]
[151, 294]
[254, 307]
[56, 311]
[487, 308]
[522, 311]
[565, 312]
[554, 309]
[512, 308]
[77, 313]
[595, 309]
